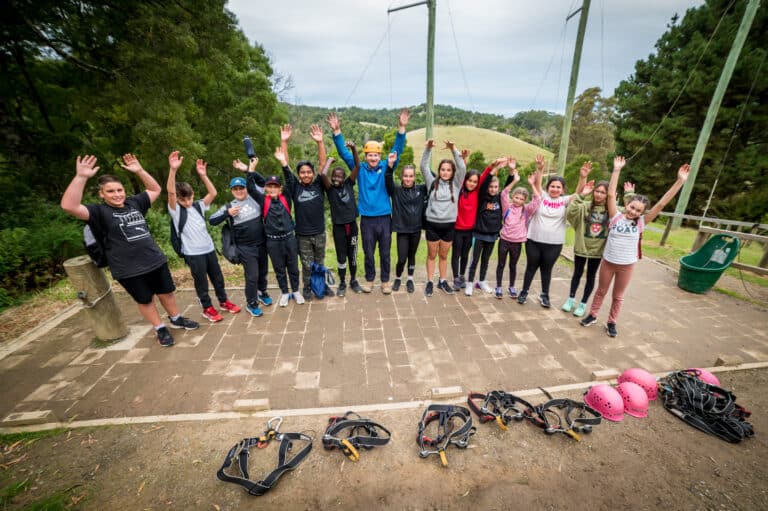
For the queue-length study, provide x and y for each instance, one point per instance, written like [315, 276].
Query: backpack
[268, 203]
[96, 246]
[228, 244]
[176, 236]
[509, 210]
[319, 279]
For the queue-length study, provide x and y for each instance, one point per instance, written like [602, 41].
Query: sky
[494, 56]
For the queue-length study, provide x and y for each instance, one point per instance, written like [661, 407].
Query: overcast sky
[516, 54]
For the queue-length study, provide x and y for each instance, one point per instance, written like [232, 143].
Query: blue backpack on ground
[319, 279]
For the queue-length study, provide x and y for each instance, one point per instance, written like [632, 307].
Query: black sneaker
[611, 329]
[341, 290]
[456, 283]
[164, 337]
[265, 299]
[307, 293]
[430, 287]
[396, 285]
[185, 323]
[443, 284]
[544, 300]
[522, 297]
[355, 286]
[589, 320]
[409, 286]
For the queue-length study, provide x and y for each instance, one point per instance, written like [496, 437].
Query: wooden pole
[99, 303]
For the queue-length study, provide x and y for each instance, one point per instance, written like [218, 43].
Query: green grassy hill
[492, 144]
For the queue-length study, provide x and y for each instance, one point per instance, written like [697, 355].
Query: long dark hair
[472, 172]
[436, 182]
[604, 184]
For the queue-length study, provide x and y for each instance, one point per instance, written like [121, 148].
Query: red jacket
[465, 221]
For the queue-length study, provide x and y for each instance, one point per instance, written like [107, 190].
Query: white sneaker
[284, 299]
[485, 287]
[298, 297]
[469, 288]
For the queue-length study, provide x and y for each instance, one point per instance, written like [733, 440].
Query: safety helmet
[372, 147]
[643, 378]
[704, 376]
[635, 399]
[606, 400]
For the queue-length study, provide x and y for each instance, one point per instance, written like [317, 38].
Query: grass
[29, 437]
[491, 143]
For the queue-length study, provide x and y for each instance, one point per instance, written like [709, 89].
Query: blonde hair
[520, 190]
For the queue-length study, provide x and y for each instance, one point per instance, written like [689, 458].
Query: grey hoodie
[443, 204]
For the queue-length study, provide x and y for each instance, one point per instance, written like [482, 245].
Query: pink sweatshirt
[514, 226]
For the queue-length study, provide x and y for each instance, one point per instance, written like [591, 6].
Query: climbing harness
[498, 406]
[448, 433]
[710, 408]
[241, 451]
[575, 417]
[362, 433]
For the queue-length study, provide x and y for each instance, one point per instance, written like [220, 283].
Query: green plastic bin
[700, 270]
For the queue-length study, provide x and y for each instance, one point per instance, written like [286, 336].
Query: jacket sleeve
[426, 172]
[254, 183]
[290, 181]
[532, 206]
[461, 168]
[485, 173]
[398, 147]
[389, 181]
[219, 216]
[577, 209]
[344, 152]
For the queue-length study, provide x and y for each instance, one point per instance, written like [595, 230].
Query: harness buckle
[571, 433]
[349, 450]
[501, 424]
[443, 458]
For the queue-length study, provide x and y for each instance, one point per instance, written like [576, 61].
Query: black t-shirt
[308, 203]
[278, 221]
[343, 203]
[131, 250]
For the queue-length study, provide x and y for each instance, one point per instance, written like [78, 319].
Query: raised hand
[465, 155]
[403, 118]
[430, 144]
[202, 168]
[629, 187]
[86, 166]
[682, 172]
[540, 161]
[239, 165]
[252, 164]
[585, 169]
[334, 122]
[280, 156]
[131, 163]
[449, 145]
[175, 161]
[535, 178]
[512, 164]
[285, 132]
[588, 187]
[316, 132]
[391, 159]
[350, 145]
[618, 163]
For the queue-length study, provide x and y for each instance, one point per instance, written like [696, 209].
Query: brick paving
[368, 349]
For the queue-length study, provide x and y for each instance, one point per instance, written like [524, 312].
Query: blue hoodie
[372, 196]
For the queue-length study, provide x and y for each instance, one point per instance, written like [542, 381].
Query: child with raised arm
[196, 244]
[309, 204]
[373, 200]
[135, 260]
[623, 243]
[442, 210]
[514, 229]
[341, 198]
[407, 212]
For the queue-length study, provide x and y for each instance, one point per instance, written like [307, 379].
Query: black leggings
[345, 242]
[593, 264]
[462, 242]
[540, 256]
[481, 252]
[513, 248]
[407, 244]
[202, 267]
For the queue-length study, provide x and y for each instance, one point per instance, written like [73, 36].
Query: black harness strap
[355, 439]
[568, 424]
[447, 433]
[499, 406]
[241, 451]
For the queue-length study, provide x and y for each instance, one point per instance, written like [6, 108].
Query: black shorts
[143, 287]
[440, 231]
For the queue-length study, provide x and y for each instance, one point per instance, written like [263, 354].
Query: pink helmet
[704, 376]
[606, 400]
[641, 377]
[635, 399]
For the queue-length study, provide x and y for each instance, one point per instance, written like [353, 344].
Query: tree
[592, 127]
[644, 99]
[476, 161]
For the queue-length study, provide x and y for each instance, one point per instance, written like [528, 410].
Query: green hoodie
[590, 226]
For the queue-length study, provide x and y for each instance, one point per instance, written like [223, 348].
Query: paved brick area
[366, 349]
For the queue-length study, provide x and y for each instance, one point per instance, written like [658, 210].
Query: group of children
[460, 210]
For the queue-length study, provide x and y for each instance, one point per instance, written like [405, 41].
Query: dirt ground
[653, 463]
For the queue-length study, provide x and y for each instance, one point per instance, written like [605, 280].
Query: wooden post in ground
[99, 303]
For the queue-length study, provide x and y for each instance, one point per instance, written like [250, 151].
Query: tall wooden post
[714, 107]
[566, 133]
[98, 300]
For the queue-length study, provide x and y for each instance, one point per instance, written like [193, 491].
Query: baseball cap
[272, 180]
[237, 181]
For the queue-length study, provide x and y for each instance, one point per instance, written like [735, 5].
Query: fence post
[99, 303]
[701, 237]
[667, 229]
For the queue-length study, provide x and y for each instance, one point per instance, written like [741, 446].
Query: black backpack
[228, 244]
[96, 246]
[176, 236]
